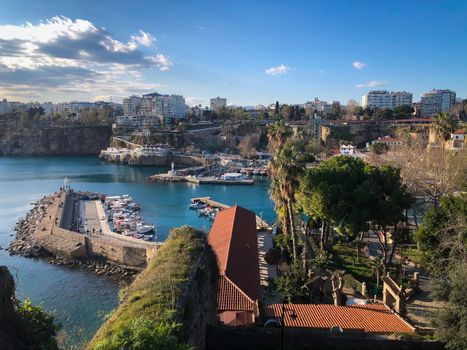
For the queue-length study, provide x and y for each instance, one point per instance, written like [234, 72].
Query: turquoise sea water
[80, 299]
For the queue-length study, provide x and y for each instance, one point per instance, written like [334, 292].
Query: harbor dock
[211, 180]
[260, 223]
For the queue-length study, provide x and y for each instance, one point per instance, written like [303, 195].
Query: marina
[205, 176]
[80, 297]
[123, 217]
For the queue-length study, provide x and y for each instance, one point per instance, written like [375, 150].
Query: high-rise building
[155, 105]
[316, 106]
[170, 106]
[218, 103]
[437, 101]
[386, 99]
[131, 105]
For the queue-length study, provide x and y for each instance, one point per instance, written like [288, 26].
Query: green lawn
[345, 258]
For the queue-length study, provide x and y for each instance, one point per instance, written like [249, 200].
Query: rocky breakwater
[24, 243]
[33, 237]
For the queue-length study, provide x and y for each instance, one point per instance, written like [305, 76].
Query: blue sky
[250, 52]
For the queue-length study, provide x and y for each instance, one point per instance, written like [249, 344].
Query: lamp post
[293, 316]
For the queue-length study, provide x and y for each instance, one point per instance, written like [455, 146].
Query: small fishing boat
[197, 205]
[146, 229]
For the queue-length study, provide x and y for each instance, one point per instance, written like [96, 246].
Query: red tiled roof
[370, 318]
[230, 297]
[460, 131]
[234, 239]
[387, 139]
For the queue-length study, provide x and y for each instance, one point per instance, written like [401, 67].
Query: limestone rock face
[69, 140]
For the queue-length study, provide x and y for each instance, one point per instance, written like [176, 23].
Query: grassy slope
[157, 290]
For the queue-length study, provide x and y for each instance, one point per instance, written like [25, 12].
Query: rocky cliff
[68, 140]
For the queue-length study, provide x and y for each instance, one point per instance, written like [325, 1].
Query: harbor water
[79, 299]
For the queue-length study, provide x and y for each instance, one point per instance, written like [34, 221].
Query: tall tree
[442, 238]
[444, 124]
[276, 109]
[390, 200]
[332, 193]
[289, 167]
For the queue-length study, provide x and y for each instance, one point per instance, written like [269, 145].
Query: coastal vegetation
[166, 306]
[23, 325]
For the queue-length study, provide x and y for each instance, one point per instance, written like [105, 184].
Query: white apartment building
[386, 99]
[316, 106]
[49, 108]
[170, 106]
[437, 101]
[217, 103]
[7, 106]
[131, 105]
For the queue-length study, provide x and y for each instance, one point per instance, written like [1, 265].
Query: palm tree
[289, 168]
[444, 124]
[277, 135]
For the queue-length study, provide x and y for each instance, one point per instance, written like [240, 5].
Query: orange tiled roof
[460, 131]
[370, 318]
[233, 238]
[230, 297]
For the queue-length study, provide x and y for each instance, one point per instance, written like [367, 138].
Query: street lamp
[293, 316]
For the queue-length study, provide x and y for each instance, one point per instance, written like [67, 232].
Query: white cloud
[373, 83]
[194, 101]
[47, 31]
[144, 39]
[359, 65]
[62, 55]
[162, 62]
[281, 69]
[200, 27]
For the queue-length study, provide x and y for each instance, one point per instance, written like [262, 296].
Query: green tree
[277, 109]
[333, 194]
[288, 167]
[444, 124]
[451, 320]
[443, 237]
[379, 148]
[443, 233]
[38, 326]
[390, 200]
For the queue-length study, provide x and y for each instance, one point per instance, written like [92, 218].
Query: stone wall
[119, 251]
[259, 338]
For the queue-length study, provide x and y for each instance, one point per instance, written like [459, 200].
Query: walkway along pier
[56, 235]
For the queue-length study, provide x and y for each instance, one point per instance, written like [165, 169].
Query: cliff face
[70, 140]
[23, 326]
[179, 287]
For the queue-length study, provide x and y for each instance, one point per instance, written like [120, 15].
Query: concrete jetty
[55, 230]
[207, 180]
[260, 223]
